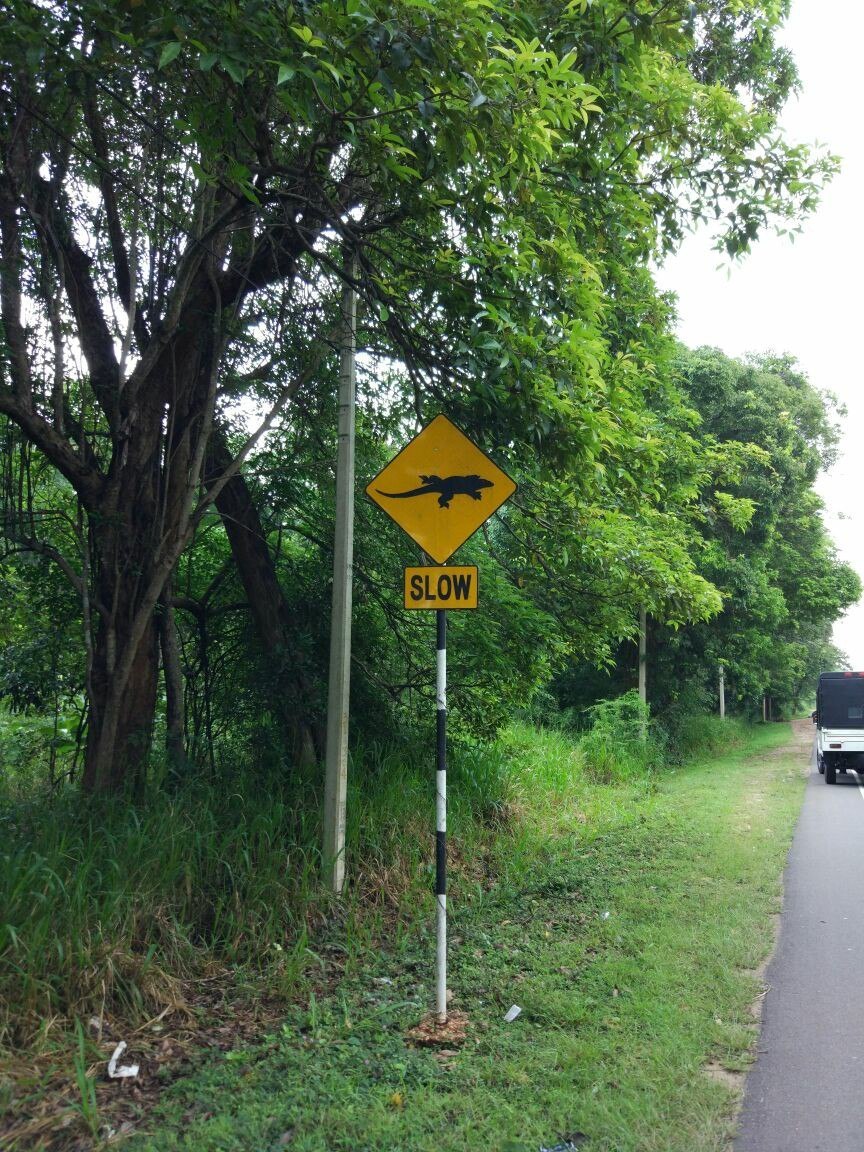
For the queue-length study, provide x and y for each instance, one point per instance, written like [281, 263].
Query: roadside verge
[625, 921]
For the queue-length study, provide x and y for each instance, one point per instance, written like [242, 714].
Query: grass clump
[110, 906]
[691, 735]
[621, 743]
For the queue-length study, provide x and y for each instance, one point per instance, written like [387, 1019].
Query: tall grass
[112, 907]
[112, 904]
[621, 743]
[698, 735]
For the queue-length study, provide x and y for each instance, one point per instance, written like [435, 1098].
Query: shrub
[622, 744]
[694, 735]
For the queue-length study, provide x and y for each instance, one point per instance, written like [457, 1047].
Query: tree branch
[40, 548]
[93, 333]
[11, 263]
[215, 488]
[109, 198]
[87, 481]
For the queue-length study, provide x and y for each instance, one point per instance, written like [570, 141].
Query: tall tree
[765, 544]
[177, 185]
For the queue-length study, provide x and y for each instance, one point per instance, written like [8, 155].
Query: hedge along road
[804, 1093]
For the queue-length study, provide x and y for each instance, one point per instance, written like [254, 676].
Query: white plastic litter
[512, 1012]
[115, 1073]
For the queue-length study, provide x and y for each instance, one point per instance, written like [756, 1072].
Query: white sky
[805, 298]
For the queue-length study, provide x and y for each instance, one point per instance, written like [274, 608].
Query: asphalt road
[805, 1091]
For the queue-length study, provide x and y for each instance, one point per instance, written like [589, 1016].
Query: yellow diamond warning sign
[440, 488]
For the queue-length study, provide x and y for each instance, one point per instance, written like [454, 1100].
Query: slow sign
[440, 489]
[441, 587]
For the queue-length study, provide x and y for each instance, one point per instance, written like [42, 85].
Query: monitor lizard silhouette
[445, 487]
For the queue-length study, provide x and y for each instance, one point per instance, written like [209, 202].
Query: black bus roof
[839, 675]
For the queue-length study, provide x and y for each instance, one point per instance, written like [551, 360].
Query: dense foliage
[763, 546]
[184, 191]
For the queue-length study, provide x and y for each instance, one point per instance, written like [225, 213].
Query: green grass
[109, 906]
[623, 919]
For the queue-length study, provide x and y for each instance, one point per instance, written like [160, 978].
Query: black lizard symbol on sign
[445, 487]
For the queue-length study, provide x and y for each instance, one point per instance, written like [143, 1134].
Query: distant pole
[441, 819]
[643, 661]
[336, 768]
[722, 693]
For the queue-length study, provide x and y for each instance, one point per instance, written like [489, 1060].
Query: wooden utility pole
[338, 696]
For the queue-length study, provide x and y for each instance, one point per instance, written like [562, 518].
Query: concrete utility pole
[643, 662]
[336, 772]
[722, 693]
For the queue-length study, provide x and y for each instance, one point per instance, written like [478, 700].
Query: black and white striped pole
[459, 488]
[441, 820]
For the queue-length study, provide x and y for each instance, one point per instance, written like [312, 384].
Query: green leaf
[234, 70]
[332, 69]
[286, 72]
[170, 52]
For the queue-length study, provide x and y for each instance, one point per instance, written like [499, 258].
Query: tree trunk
[141, 513]
[175, 733]
[125, 671]
[121, 717]
[273, 619]
[250, 550]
